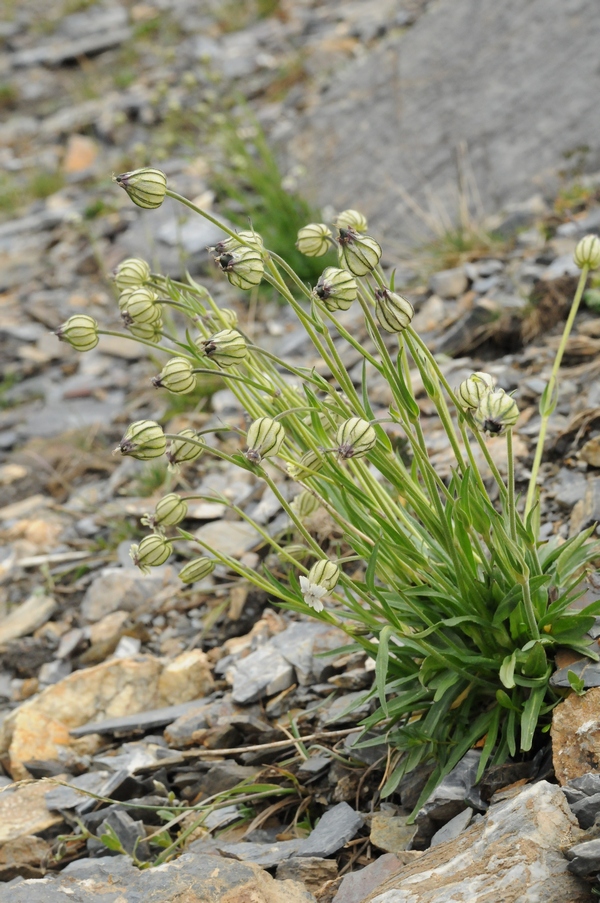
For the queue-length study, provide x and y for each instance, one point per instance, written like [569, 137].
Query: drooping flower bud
[152, 551]
[197, 569]
[146, 187]
[170, 510]
[225, 348]
[140, 307]
[310, 461]
[587, 252]
[472, 389]
[358, 253]
[131, 273]
[355, 438]
[325, 573]
[497, 411]
[393, 312]
[313, 240]
[243, 266]
[150, 332]
[79, 331]
[336, 288]
[144, 440]
[140, 292]
[177, 376]
[304, 504]
[226, 318]
[296, 551]
[264, 438]
[181, 449]
[351, 219]
[243, 239]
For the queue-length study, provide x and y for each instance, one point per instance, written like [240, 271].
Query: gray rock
[587, 783]
[119, 589]
[67, 798]
[562, 266]
[267, 855]
[569, 486]
[346, 709]
[448, 799]
[514, 853]
[511, 82]
[584, 858]
[356, 885]
[296, 644]
[144, 721]
[226, 775]
[229, 537]
[586, 810]
[311, 871]
[194, 235]
[453, 828]
[449, 283]
[313, 767]
[130, 833]
[59, 51]
[589, 672]
[336, 827]
[262, 673]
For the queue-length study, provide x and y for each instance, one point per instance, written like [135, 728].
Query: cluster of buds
[358, 253]
[394, 313]
[493, 409]
[322, 578]
[336, 288]
[152, 551]
[139, 307]
[244, 239]
[146, 187]
[143, 440]
[131, 273]
[170, 510]
[79, 331]
[587, 252]
[243, 266]
[264, 438]
[186, 447]
[355, 438]
[314, 240]
[197, 569]
[177, 376]
[225, 348]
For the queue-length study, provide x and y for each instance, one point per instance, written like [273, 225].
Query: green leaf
[536, 662]
[529, 718]
[372, 567]
[577, 683]
[110, 840]
[381, 666]
[548, 400]
[507, 671]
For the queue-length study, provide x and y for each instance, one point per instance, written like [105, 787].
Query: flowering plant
[453, 596]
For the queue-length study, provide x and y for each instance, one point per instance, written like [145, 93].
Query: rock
[449, 283]
[512, 854]
[336, 827]
[180, 732]
[27, 617]
[356, 885]
[569, 486]
[229, 537]
[590, 452]
[586, 810]
[584, 858]
[452, 828]
[194, 235]
[267, 855]
[511, 136]
[224, 776]
[586, 511]
[40, 727]
[576, 735]
[193, 878]
[347, 709]
[448, 799]
[80, 154]
[59, 51]
[68, 798]
[145, 721]
[390, 833]
[23, 812]
[262, 673]
[130, 834]
[587, 670]
[296, 644]
[120, 589]
[24, 857]
[187, 677]
[311, 871]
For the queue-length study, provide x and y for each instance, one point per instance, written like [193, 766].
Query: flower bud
[140, 292]
[336, 288]
[351, 219]
[393, 312]
[243, 239]
[325, 573]
[146, 187]
[358, 253]
[225, 348]
[305, 504]
[226, 318]
[182, 449]
[313, 240]
[131, 273]
[177, 376]
[472, 390]
[355, 438]
[170, 510]
[152, 551]
[310, 461]
[144, 440]
[264, 439]
[197, 569]
[150, 332]
[296, 551]
[587, 252]
[497, 411]
[243, 266]
[140, 307]
[79, 331]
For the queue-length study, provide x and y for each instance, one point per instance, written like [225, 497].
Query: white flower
[313, 593]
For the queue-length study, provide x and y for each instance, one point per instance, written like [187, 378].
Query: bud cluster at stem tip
[587, 252]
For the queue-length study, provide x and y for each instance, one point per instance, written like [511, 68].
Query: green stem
[551, 389]
[132, 338]
[512, 514]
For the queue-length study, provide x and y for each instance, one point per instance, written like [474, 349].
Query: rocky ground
[161, 700]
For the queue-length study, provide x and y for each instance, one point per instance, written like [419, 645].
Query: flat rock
[311, 871]
[267, 855]
[27, 617]
[144, 721]
[513, 854]
[576, 736]
[262, 673]
[24, 857]
[119, 589]
[296, 644]
[336, 827]
[229, 537]
[356, 885]
[449, 283]
[193, 878]
[23, 812]
[391, 833]
[187, 677]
